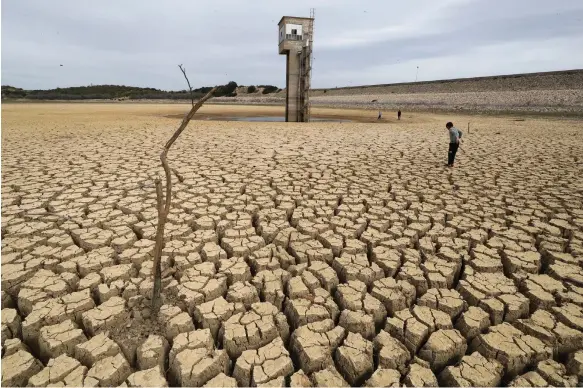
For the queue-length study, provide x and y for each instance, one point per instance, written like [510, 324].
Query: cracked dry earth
[295, 255]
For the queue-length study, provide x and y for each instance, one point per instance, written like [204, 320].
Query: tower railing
[293, 37]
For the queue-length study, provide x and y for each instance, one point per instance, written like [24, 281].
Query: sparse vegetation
[267, 89]
[121, 92]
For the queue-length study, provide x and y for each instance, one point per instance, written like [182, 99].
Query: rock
[355, 358]
[109, 371]
[152, 377]
[63, 370]
[18, 368]
[60, 339]
[473, 370]
[152, 353]
[97, 348]
[260, 366]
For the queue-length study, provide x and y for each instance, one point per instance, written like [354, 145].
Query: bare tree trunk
[163, 202]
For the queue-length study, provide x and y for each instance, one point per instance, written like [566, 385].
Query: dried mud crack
[295, 255]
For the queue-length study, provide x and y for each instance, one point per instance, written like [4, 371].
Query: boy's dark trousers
[451, 153]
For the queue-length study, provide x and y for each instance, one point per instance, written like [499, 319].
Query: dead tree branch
[163, 202]
[183, 70]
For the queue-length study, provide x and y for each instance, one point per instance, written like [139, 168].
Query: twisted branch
[163, 203]
[183, 70]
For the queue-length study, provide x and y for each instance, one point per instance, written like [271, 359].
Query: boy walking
[454, 142]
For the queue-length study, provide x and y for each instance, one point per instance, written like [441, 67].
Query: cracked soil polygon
[336, 232]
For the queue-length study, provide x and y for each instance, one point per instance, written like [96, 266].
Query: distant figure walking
[399, 115]
[380, 115]
[454, 142]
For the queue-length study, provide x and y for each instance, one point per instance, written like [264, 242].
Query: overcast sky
[140, 42]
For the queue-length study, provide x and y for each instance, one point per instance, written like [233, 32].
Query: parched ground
[323, 254]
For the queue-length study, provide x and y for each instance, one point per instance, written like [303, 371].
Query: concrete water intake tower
[296, 41]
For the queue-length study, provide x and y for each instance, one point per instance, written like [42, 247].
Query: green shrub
[269, 89]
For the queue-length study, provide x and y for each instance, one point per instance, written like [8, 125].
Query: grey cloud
[140, 42]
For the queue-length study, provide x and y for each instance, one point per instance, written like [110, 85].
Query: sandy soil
[321, 254]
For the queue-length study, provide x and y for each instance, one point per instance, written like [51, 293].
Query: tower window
[294, 32]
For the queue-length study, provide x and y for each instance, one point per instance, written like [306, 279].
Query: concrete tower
[295, 41]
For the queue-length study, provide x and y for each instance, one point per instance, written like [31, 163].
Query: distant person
[380, 115]
[454, 142]
[399, 115]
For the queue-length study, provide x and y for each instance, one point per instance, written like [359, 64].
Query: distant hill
[122, 92]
